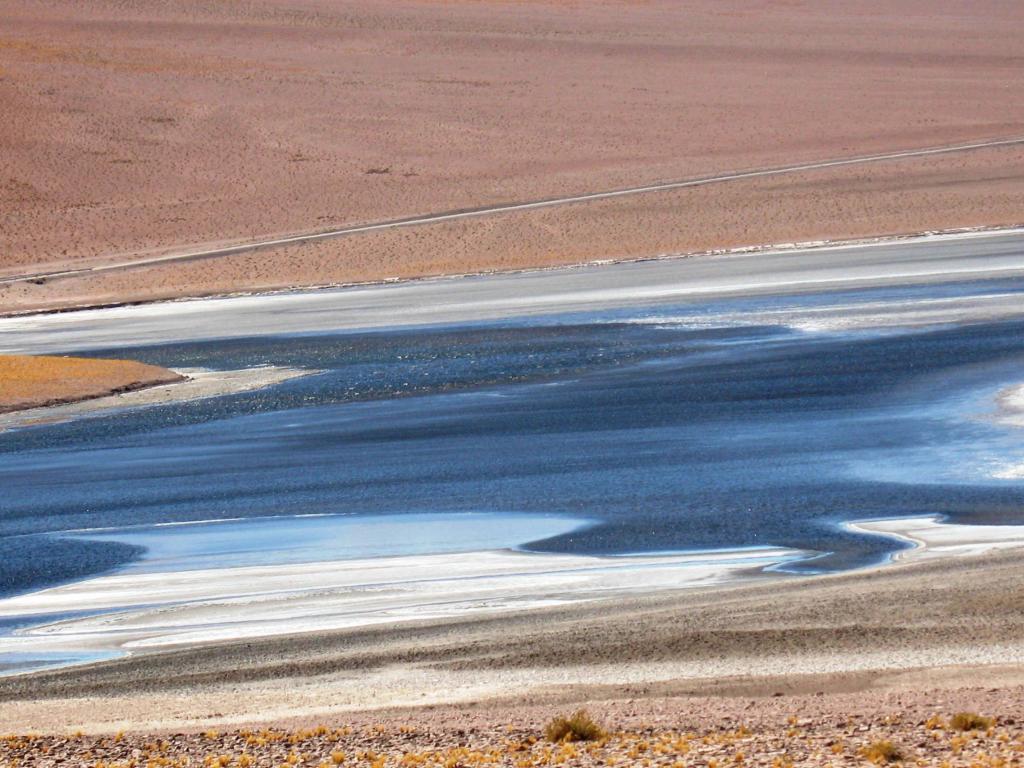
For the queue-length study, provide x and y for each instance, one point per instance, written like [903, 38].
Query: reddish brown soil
[146, 125]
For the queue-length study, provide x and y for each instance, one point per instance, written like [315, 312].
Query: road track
[502, 208]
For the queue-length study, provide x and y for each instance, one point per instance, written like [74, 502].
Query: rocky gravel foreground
[921, 732]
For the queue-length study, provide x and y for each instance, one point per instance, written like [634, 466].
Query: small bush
[970, 721]
[881, 752]
[579, 726]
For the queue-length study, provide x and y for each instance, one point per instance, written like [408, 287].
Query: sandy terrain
[30, 382]
[144, 126]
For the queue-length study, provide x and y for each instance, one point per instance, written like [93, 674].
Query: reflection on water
[671, 436]
[307, 539]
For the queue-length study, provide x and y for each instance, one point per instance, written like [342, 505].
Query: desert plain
[146, 128]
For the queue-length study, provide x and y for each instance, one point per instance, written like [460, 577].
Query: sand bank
[466, 642]
[188, 384]
[932, 538]
[30, 381]
[148, 611]
[867, 630]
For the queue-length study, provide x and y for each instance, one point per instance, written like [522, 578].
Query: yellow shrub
[881, 752]
[579, 726]
[970, 721]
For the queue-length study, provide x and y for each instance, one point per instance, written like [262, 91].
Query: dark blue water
[670, 437]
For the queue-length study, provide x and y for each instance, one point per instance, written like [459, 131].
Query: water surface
[732, 423]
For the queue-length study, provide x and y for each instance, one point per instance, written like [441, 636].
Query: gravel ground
[911, 728]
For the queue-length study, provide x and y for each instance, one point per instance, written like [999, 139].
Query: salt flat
[920, 261]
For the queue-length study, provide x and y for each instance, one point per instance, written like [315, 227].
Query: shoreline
[788, 629]
[952, 233]
[932, 537]
[823, 633]
[184, 594]
[194, 384]
[60, 402]
[206, 597]
[966, 259]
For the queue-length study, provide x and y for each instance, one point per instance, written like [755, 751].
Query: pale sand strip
[957, 618]
[738, 631]
[160, 610]
[932, 538]
[200, 383]
[459, 299]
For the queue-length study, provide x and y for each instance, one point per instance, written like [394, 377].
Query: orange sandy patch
[28, 381]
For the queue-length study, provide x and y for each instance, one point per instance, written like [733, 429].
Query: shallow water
[700, 426]
[257, 577]
[313, 538]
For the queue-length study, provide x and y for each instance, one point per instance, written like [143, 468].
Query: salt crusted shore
[188, 384]
[870, 630]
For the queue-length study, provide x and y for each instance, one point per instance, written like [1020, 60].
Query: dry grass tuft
[882, 752]
[579, 726]
[970, 721]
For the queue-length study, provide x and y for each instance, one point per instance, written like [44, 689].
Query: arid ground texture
[910, 729]
[950, 625]
[148, 127]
